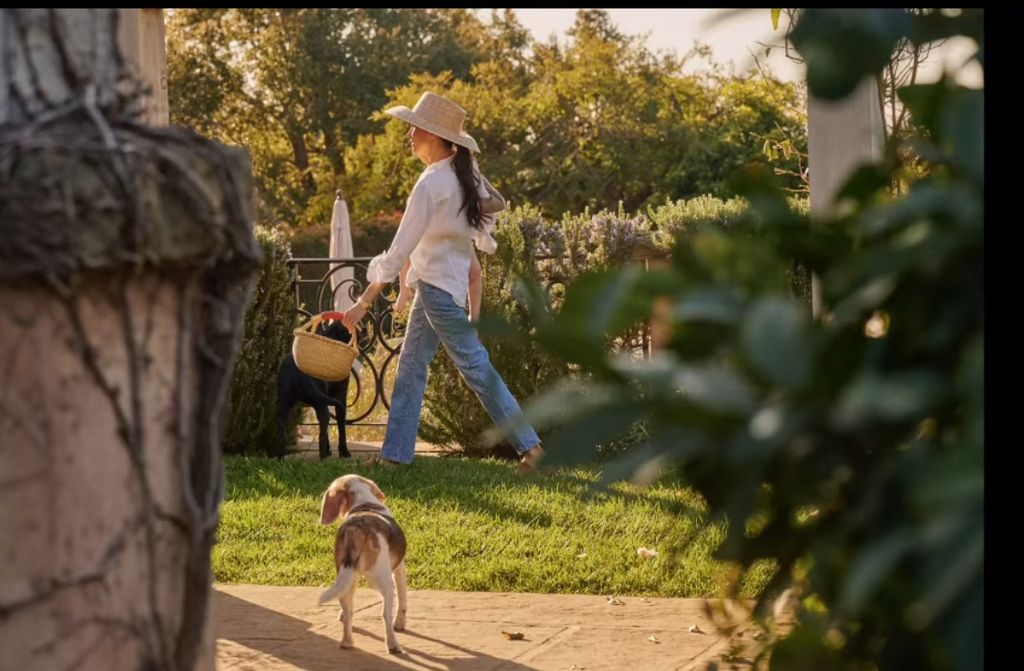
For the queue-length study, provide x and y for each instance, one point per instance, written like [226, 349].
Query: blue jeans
[436, 318]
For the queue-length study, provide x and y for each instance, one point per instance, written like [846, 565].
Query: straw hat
[439, 116]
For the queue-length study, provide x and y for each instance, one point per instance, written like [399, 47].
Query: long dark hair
[470, 183]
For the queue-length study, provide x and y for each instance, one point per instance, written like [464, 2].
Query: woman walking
[443, 218]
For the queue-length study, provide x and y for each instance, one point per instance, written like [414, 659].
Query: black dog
[294, 386]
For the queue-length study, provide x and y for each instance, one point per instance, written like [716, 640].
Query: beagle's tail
[341, 584]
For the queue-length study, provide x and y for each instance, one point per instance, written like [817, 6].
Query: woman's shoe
[531, 461]
[378, 460]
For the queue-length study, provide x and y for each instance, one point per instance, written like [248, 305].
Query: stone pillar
[127, 259]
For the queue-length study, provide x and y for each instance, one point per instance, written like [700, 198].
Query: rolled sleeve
[385, 267]
[491, 203]
[483, 238]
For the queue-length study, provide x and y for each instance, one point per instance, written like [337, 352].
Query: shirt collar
[434, 167]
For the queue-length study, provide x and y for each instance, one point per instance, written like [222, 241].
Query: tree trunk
[126, 263]
[334, 153]
[301, 155]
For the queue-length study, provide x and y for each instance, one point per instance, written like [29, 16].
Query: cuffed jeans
[436, 318]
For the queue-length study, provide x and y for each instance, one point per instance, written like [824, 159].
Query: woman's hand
[353, 316]
[404, 296]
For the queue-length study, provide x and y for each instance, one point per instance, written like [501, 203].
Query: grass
[474, 525]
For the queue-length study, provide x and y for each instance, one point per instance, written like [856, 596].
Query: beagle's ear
[332, 505]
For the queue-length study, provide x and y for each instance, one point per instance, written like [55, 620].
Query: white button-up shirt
[435, 235]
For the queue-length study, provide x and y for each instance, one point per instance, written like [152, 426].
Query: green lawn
[474, 525]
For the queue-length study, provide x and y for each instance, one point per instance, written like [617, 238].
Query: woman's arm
[385, 267]
[404, 292]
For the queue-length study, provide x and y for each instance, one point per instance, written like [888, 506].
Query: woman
[444, 216]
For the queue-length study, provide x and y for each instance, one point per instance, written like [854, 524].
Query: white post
[841, 135]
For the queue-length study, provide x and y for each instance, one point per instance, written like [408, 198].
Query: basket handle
[311, 325]
[336, 316]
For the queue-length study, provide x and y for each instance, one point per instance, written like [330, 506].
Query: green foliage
[266, 340]
[533, 250]
[297, 86]
[849, 449]
[599, 122]
[369, 237]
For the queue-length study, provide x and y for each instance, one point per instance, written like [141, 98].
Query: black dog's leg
[323, 417]
[331, 394]
[339, 390]
[285, 402]
[282, 425]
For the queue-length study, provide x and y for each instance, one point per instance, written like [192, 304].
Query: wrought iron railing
[315, 282]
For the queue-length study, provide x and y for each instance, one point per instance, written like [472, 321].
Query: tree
[601, 121]
[298, 86]
[560, 127]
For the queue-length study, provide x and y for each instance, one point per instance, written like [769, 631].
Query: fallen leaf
[653, 639]
[581, 555]
[694, 629]
[615, 601]
[646, 553]
[514, 635]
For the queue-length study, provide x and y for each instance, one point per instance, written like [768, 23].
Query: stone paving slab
[264, 627]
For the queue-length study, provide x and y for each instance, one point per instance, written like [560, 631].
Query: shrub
[266, 340]
[553, 255]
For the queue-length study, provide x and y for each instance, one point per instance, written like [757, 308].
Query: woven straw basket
[322, 357]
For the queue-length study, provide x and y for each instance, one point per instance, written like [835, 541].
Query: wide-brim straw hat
[438, 115]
